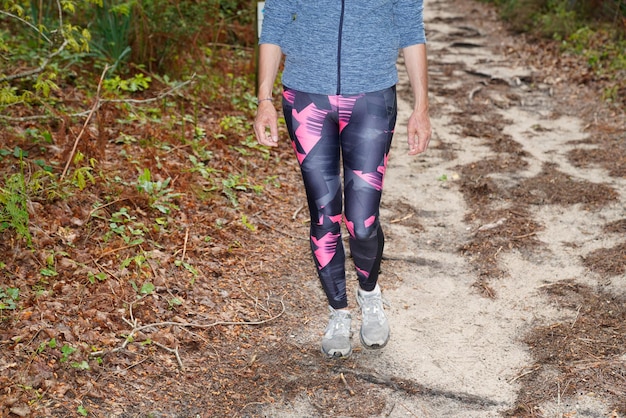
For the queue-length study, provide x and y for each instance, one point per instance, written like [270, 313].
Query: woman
[339, 103]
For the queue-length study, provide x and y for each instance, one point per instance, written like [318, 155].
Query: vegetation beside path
[140, 221]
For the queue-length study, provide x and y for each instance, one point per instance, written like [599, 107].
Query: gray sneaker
[336, 340]
[374, 325]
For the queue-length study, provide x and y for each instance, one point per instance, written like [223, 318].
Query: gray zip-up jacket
[341, 46]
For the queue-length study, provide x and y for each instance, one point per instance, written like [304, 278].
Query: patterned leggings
[357, 129]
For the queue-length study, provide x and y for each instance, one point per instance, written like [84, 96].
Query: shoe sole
[374, 346]
[337, 355]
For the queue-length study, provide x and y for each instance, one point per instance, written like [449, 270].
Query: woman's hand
[419, 132]
[266, 115]
[266, 119]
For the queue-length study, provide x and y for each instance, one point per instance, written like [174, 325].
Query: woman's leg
[312, 121]
[365, 141]
[361, 127]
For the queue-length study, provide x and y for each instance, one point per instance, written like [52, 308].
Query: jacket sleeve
[276, 16]
[409, 21]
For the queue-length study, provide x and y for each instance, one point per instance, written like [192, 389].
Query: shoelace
[373, 305]
[340, 323]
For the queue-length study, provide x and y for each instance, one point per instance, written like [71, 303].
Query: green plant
[82, 365]
[123, 224]
[558, 20]
[593, 29]
[13, 206]
[100, 276]
[236, 124]
[237, 183]
[138, 82]
[610, 94]
[273, 180]
[50, 268]
[561, 18]
[56, 35]
[190, 268]
[138, 259]
[111, 32]
[249, 144]
[18, 190]
[146, 288]
[48, 271]
[37, 136]
[162, 31]
[52, 343]
[205, 171]
[8, 298]
[245, 222]
[174, 302]
[245, 101]
[604, 53]
[82, 410]
[161, 197]
[81, 175]
[66, 352]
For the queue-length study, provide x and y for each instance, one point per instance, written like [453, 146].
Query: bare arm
[266, 116]
[419, 129]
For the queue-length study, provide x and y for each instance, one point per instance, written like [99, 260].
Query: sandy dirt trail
[462, 349]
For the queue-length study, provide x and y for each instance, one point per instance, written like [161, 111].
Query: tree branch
[37, 70]
[163, 94]
[26, 22]
[95, 106]
[134, 323]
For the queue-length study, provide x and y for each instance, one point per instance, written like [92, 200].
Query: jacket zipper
[343, 7]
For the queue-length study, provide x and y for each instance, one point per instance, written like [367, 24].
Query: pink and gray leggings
[355, 129]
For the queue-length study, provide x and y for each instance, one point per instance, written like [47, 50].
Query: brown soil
[219, 334]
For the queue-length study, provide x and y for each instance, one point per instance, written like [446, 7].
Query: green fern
[13, 211]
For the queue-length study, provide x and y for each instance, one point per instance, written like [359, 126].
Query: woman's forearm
[419, 130]
[269, 61]
[417, 68]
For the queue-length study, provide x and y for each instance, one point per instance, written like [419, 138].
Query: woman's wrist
[265, 99]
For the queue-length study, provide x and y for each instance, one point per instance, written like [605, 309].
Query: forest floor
[504, 266]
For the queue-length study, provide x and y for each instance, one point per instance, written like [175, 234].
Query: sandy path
[460, 349]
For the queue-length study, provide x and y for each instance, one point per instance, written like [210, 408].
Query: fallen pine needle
[137, 328]
[404, 218]
[345, 382]
[519, 376]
